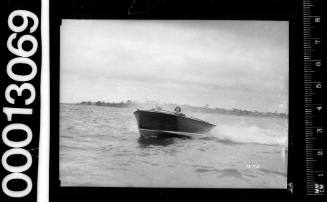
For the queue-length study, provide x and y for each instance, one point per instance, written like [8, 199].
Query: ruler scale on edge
[315, 151]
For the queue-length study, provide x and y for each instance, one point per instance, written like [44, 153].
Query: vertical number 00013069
[30, 24]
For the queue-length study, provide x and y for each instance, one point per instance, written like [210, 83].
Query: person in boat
[178, 110]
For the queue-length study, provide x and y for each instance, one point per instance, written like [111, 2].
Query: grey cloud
[220, 60]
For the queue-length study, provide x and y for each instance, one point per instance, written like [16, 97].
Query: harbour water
[101, 146]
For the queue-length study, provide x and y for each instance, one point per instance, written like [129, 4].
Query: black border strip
[31, 121]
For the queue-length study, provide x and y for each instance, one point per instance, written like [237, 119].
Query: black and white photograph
[162, 100]
[174, 103]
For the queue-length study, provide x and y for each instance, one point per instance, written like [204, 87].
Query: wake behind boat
[154, 123]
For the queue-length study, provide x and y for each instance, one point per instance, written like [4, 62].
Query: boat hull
[156, 123]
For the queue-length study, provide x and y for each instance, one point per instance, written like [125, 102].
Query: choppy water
[101, 146]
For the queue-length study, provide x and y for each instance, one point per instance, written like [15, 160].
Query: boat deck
[175, 114]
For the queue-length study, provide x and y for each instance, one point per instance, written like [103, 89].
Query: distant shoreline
[206, 109]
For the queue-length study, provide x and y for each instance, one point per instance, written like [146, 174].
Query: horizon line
[209, 107]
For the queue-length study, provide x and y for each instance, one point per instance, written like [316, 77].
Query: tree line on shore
[206, 108]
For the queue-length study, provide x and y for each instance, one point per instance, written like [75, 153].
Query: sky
[222, 63]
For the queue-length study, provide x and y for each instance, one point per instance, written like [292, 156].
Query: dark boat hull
[156, 123]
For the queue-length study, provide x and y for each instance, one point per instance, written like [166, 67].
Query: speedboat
[160, 123]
